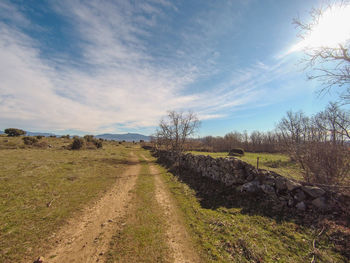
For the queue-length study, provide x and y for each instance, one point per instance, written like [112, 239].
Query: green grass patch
[276, 162]
[229, 235]
[142, 239]
[41, 188]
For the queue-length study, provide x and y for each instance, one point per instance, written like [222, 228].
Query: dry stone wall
[243, 177]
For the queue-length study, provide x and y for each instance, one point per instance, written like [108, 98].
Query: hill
[28, 133]
[127, 137]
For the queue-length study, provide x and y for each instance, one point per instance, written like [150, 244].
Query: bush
[78, 143]
[89, 138]
[42, 144]
[324, 163]
[236, 152]
[12, 132]
[39, 137]
[98, 143]
[65, 136]
[29, 140]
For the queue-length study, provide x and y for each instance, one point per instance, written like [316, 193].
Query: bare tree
[175, 129]
[318, 144]
[330, 64]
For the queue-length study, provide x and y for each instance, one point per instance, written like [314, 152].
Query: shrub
[39, 137]
[65, 136]
[236, 152]
[78, 143]
[42, 144]
[324, 163]
[98, 143]
[89, 138]
[29, 140]
[12, 132]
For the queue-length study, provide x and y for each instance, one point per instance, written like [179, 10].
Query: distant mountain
[28, 133]
[129, 137]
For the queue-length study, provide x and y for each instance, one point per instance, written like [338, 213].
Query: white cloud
[116, 81]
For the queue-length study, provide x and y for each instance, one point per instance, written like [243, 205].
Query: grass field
[275, 162]
[41, 188]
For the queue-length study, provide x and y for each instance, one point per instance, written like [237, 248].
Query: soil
[178, 238]
[86, 238]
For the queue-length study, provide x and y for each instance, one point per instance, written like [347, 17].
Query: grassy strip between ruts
[41, 188]
[228, 235]
[276, 162]
[142, 238]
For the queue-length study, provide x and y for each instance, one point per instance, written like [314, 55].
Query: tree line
[320, 143]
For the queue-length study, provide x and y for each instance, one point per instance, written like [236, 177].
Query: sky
[118, 66]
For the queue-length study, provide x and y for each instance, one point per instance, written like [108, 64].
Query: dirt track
[86, 238]
[178, 239]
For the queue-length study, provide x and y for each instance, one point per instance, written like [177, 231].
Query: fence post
[257, 162]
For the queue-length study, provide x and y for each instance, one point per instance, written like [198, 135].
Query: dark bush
[236, 152]
[89, 138]
[78, 143]
[39, 137]
[65, 136]
[29, 140]
[98, 143]
[12, 132]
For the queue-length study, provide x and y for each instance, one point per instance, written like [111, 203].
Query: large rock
[280, 184]
[301, 206]
[291, 185]
[268, 189]
[313, 191]
[320, 203]
[299, 196]
[251, 187]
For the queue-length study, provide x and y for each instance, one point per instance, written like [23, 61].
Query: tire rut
[179, 241]
[86, 238]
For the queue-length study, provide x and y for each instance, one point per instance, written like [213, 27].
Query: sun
[331, 29]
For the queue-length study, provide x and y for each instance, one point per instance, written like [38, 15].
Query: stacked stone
[243, 177]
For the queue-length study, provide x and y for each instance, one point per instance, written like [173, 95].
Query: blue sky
[117, 66]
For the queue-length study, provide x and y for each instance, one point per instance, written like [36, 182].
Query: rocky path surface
[178, 238]
[86, 238]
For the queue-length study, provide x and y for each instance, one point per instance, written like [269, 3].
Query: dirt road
[178, 239]
[86, 238]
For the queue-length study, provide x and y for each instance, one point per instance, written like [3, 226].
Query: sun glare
[332, 29]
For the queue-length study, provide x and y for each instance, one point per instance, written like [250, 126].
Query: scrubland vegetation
[41, 187]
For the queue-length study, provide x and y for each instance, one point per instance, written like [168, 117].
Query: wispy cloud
[114, 79]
